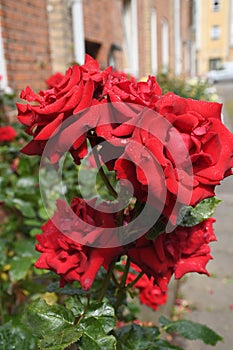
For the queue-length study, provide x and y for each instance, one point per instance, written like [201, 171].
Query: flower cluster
[174, 151]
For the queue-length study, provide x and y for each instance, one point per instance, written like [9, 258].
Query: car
[223, 73]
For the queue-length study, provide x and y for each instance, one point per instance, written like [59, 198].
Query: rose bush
[173, 151]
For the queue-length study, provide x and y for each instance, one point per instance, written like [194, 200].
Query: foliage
[7, 101]
[92, 325]
[191, 216]
[193, 88]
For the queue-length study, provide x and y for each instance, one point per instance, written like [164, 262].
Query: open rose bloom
[172, 151]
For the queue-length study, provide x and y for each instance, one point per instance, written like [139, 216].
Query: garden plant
[117, 187]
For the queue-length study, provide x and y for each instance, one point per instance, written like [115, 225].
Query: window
[165, 46]
[216, 5]
[130, 22]
[214, 63]
[215, 32]
[92, 48]
[154, 48]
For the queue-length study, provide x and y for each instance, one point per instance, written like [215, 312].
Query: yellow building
[214, 34]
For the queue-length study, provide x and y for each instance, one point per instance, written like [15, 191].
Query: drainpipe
[78, 31]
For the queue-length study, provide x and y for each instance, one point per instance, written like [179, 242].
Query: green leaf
[164, 345]
[43, 319]
[90, 341]
[163, 321]
[3, 251]
[43, 214]
[61, 339]
[191, 216]
[135, 337]
[97, 322]
[76, 305]
[26, 248]
[19, 268]
[103, 313]
[16, 337]
[24, 207]
[192, 331]
[35, 231]
[32, 222]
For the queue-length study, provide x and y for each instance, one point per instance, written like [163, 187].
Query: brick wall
[60, 33]
[164, 10]
[144, 37]
[103, 25]
[26, 44]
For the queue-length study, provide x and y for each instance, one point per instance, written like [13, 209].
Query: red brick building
[140, 37]
[24, 45]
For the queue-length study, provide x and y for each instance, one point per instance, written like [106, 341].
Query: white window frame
[177, 38]
[3, 70]
[215, 32]
[154, 40]
[130, 20]
[78, 31]
[165, 45]
[231, 24]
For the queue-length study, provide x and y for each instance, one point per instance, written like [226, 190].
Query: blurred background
[185, 38]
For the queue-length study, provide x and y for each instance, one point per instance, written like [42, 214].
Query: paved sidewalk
[212, 297]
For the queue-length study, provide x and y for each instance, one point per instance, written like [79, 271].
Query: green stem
[106, 281]
[103, 175]
[117, 284]
[125, 274]
[122, 287]
[130, 285]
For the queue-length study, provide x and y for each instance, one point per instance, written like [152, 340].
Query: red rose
[128, 99]
[44, 115]
[182, 152]
[149, 293]
[7, 133]
[54, 80]
[183, 250]
[208, 141]
[63, 254]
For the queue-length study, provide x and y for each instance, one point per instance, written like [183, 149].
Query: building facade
[24, 44]
[214, 34]
[140, 37]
